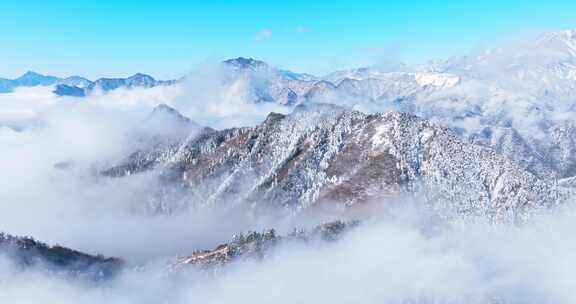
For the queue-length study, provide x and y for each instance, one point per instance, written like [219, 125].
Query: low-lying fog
[403, 255]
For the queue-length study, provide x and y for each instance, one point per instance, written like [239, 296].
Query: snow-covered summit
[324, 154]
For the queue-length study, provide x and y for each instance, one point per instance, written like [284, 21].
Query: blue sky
[167, 38]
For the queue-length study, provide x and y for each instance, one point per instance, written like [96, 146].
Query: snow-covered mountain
[27, 253]
[323, 154]
[256, 245]
[267, 83]
[518, 99]
[472, 142]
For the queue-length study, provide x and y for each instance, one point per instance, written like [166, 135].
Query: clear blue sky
[167, 38]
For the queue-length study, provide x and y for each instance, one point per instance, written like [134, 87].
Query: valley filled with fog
[448, 182]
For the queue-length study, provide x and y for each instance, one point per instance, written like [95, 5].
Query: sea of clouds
[400, 255]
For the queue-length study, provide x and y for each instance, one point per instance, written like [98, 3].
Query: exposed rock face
[324, 154]
[26, 252]
[256, 246]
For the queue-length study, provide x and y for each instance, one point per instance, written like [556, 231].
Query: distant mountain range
[518, 100]
[522, 110]
[491, 135]
[241, 67]
[79, 86]
[545, 67]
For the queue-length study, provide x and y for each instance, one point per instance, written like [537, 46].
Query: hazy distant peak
[561, 41]
[168, 111]
[141, 76]
[30, 74]
[31, 78]
[167, 122]
[566, 35]
[242, 62]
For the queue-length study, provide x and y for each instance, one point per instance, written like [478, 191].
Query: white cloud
[403, 256]
[100, 128]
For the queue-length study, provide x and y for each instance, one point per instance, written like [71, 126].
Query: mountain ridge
[25, 252]
[323, 153]
[79, 86]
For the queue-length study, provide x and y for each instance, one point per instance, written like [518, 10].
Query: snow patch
[437, 79]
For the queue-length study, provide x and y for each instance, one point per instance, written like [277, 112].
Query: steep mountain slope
[518, 99]
[26, 252]
[269, 84]
[165, 126]
[256, 245]
[535, 75]
[327, 155]
[28, 79]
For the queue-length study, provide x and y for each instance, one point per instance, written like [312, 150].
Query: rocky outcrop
[257, 245]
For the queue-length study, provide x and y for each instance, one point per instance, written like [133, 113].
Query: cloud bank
[405, 255]
[402, 255]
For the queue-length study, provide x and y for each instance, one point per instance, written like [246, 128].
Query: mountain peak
[168, 123]
[30, 74]
[564, 41]
[164, 108]
[31, 78]
[164, 111]
[141, 76]
[242, 62]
